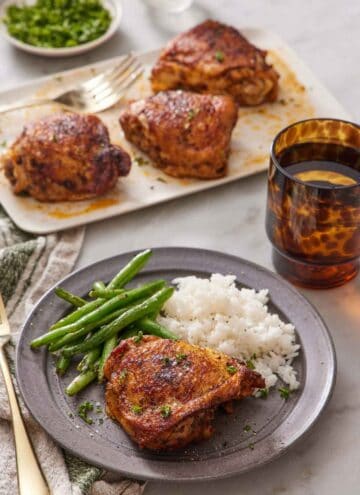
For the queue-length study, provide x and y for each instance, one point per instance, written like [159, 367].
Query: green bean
[106, 293]
[89, 360]
[96, 315]
[130, 316]
[109, 345]
[70, 298]
[81, 381]
[146, 325]
[99, 285]
[130, 270]
[78, 313]
[62, 364]
[74, 336]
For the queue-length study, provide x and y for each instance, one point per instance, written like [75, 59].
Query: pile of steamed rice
[215, 313]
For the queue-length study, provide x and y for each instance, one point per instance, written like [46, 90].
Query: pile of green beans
[94, 328]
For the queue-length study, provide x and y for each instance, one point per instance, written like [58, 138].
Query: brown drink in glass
[313, 211]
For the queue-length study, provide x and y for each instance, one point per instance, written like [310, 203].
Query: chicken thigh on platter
[65, 157]
[186, 134]
[164, 393]
[217, 59]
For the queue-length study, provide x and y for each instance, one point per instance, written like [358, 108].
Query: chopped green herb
[141, 161]
[101, 421]
[251, 446]
[98, 409]
[4, 143]
[138, 337]
[57, 23]
[54, 138]
[247, 428]
[263, 393]
[192, 113]
[231, 369]
[160, 179]
[250, 364]
[83, 411]
[219, 56]
[122, 375]
[166, 361]
[253, 356]
[284, 393]
[180, 357]
[165, 411]
[71, 416]
[137, 409]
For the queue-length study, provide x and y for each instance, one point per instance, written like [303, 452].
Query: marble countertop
[325, 33]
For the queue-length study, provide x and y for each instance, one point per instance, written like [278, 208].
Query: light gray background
[325, 33]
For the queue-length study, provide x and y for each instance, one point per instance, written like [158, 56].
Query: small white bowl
[113, 6]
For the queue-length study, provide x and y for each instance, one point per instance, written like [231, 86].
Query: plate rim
[178, 476]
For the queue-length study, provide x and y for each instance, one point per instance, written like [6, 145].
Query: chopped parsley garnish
[284, 393]
[165, 411]
[166, 361]
[231, 369]
[180, 357]
[138, 337]
[57, 23]
[54, 138]
[98, 409]
[141, 161]
[122, 375]
[101, 421]
[263, 393]
[136, 409]
[253, 356]
[83, 411]
[250, 364]
[251, 446]
[192, 113]
[219, 56]
[160, 179]
[247, 428]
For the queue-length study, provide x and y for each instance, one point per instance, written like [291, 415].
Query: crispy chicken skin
[215, 58]
[65, 157]
[186, 134]
[165, 393]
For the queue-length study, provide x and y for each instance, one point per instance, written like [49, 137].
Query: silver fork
[94, 95]
[30, 477]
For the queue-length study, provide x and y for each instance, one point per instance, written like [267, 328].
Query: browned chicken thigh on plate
[65, 157]
[215, 58]
[164, 393]
[186, 134]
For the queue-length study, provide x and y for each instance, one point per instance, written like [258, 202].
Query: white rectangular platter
[301, 96]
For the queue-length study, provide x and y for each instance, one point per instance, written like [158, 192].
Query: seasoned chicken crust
[186, 134]
[65, 157]
[215, 58]
[164, 393]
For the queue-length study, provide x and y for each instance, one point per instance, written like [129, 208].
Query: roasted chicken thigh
[65, 157]
[164, 393]
[186, 134]
[215, 58]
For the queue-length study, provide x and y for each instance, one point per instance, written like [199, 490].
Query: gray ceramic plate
[277, 423]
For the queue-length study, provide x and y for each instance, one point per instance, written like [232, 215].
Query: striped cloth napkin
[29, 266]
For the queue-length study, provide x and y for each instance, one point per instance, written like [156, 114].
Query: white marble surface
[325, 33]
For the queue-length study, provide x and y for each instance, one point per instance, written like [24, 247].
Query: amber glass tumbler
[315, 231]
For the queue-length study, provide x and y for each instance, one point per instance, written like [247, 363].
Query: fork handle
[30, 477]
[24, 104]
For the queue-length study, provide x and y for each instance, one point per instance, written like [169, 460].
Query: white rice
[214, 313]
